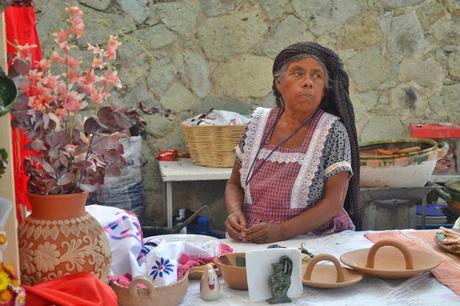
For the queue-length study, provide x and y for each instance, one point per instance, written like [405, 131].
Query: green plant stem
[88, 153]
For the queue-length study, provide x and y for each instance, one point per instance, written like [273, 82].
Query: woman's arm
[330, 205]
[335, 191]
[234, 199]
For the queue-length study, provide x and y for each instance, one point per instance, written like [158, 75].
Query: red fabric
[20, 27]
[79, 289]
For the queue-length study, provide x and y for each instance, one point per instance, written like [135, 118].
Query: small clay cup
[233, 275]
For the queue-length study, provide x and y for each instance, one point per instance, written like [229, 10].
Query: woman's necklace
[251, 173]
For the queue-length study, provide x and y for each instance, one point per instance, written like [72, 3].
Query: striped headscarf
[337, 102]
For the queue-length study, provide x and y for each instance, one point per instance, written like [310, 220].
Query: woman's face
[302, 85]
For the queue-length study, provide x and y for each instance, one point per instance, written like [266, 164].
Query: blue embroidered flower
[161, 266]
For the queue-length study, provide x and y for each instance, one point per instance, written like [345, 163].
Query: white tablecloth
[423, 289]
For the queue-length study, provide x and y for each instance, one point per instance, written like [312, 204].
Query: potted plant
[61, 108]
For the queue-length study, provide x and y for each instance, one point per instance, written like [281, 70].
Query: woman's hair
[336, 101]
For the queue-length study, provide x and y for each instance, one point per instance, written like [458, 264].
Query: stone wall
[403, 58]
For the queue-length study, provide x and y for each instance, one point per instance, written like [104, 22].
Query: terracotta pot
[234, 275]
[411, 167]
[60, 238]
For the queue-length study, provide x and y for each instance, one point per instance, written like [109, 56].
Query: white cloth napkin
[167, 261]
[124, 233]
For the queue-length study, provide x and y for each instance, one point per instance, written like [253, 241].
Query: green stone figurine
[280, 281]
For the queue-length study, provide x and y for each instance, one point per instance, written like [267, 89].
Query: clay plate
[391, 259]
[328, 276]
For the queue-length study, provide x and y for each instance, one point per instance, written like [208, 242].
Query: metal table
[411, 193]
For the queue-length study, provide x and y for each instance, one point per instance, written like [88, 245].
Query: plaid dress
[291, 180]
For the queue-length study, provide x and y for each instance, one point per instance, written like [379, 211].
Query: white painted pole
[7, 181]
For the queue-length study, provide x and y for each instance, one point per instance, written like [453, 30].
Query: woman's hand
[264, 233]
[235, 224]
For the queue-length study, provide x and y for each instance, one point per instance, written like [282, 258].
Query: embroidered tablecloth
[447, 273]
[423, 289]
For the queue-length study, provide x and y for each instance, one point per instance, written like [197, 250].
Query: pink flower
[113, 43]
[64, 45]
[96, 98]
[97, 63]
[110, 55]
[88, 89]
[77, 27]
[99, 96]
[72, 101]
[95, 49]
[36, 104]
[44, 95]
[72, 62]
[61, 112]
[62, 89]
[111, 79]
[55, 57]
[61, 35]
[35, 75]
[74, 10]
[73, 76]
[112, 47]
[42, 65]
[50, 81]
[89, 79]
[105, 95]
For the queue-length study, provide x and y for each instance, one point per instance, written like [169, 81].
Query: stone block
[360, 32]
[243, 76]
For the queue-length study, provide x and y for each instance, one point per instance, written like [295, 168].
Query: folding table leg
[168, 201]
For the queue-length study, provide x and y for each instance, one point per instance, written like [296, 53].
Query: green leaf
[8, 94]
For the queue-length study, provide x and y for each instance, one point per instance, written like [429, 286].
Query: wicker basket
[212, 146]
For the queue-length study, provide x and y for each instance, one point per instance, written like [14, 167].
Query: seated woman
[297, 166]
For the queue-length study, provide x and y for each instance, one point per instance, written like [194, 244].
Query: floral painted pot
[61, 238]
[400, 163]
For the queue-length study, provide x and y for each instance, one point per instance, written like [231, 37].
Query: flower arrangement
[61, 108]
[10, 291]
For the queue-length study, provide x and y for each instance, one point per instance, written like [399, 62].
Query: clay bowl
[170, 295]
[399, 163]
[234, 276]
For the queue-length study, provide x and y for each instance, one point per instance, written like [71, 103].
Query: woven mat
[447, 273]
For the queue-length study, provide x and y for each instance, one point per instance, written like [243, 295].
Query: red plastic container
[434, 130]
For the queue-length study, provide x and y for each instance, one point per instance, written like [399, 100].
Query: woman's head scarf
[337, 102]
